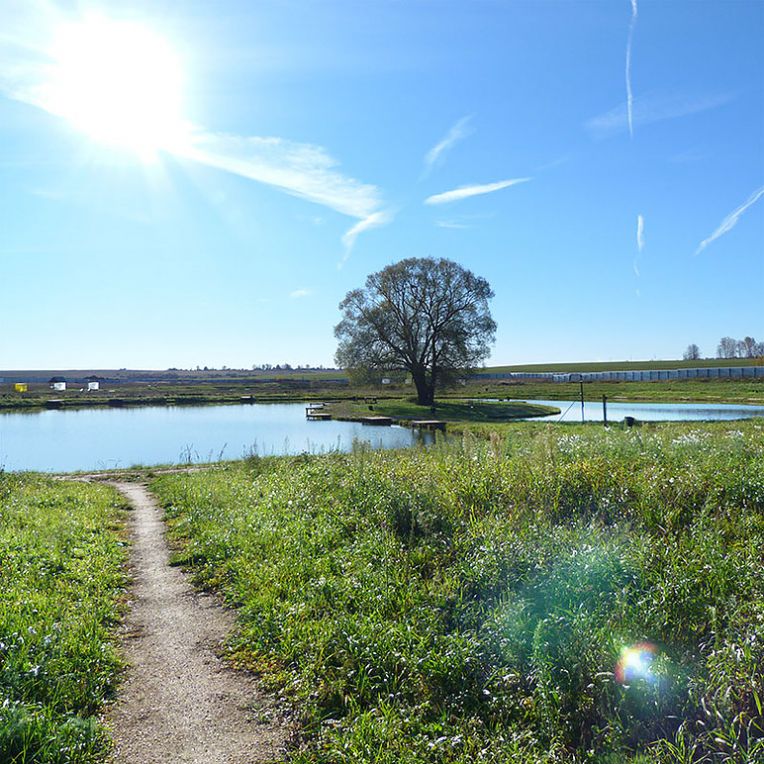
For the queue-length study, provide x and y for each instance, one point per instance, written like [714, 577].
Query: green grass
[450, 410]
[703, 391]
[469, 602]
[61, 581]
[703, 363]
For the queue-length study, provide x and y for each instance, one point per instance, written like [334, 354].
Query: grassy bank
[61, 579]
[477, 601]
[456, 410]
[171, 394]
[676, 391]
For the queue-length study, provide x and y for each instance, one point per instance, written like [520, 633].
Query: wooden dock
[315, 412]
[379, 421]
[428, 424]
[318, 416]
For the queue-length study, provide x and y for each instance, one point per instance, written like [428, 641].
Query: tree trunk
[425, 391]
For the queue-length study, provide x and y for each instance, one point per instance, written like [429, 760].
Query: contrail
[629, 96]
[731, 220]
[640, 233]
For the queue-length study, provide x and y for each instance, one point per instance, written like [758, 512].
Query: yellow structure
[21, 387]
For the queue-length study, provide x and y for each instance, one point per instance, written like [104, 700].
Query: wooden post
[581, 382]
[604, 408]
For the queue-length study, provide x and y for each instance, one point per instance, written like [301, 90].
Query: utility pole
[604, 409]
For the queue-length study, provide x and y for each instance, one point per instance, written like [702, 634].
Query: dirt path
[179, 702]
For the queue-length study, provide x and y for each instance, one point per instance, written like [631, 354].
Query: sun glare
[120, 83]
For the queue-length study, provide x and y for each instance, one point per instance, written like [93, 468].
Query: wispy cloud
[731, 220]
[462, 221]
[640, 233]
[299, 293]
[457, 132]
[629, 95]
[374, 220]
[649, 109]
[450, 224]
[464, 192]
[300, 169]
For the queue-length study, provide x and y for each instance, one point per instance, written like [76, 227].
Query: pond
[97, 439]
[570, 411]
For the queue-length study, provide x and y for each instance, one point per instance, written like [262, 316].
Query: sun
[120, 83]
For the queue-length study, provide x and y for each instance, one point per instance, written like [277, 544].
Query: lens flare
[636, 663]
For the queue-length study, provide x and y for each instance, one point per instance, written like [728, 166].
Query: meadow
[749, 391]
[451, 410]
[62, 581]
[551, 594]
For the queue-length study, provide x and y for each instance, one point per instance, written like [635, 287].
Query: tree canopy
[427, 316]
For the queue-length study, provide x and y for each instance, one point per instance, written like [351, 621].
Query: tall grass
[61, 579]
[472, 601]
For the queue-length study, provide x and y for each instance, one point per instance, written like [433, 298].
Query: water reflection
[88, 439]
[570, 411]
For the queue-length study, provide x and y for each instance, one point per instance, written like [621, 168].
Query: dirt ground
[179, 702]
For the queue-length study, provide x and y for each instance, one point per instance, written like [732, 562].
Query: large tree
[425, 316]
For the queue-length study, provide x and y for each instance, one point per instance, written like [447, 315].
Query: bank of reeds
[476, 601]
[61, 579]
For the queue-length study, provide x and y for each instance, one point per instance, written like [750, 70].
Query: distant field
[178, 387]
[175, 376]
[704, 363]
[217, 376]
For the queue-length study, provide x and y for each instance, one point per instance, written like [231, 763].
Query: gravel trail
[179, 702]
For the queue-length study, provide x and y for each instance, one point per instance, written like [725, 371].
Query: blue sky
[601, 163]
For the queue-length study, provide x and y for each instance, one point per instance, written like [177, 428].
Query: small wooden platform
[315, 412]
[428, 424]
[54, 403]
[377, 420]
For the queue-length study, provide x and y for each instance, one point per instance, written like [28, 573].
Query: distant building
[58, 384]
[94, 382]
[21, 387]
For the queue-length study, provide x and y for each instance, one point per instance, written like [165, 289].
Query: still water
[570, 411]
[90, 439]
